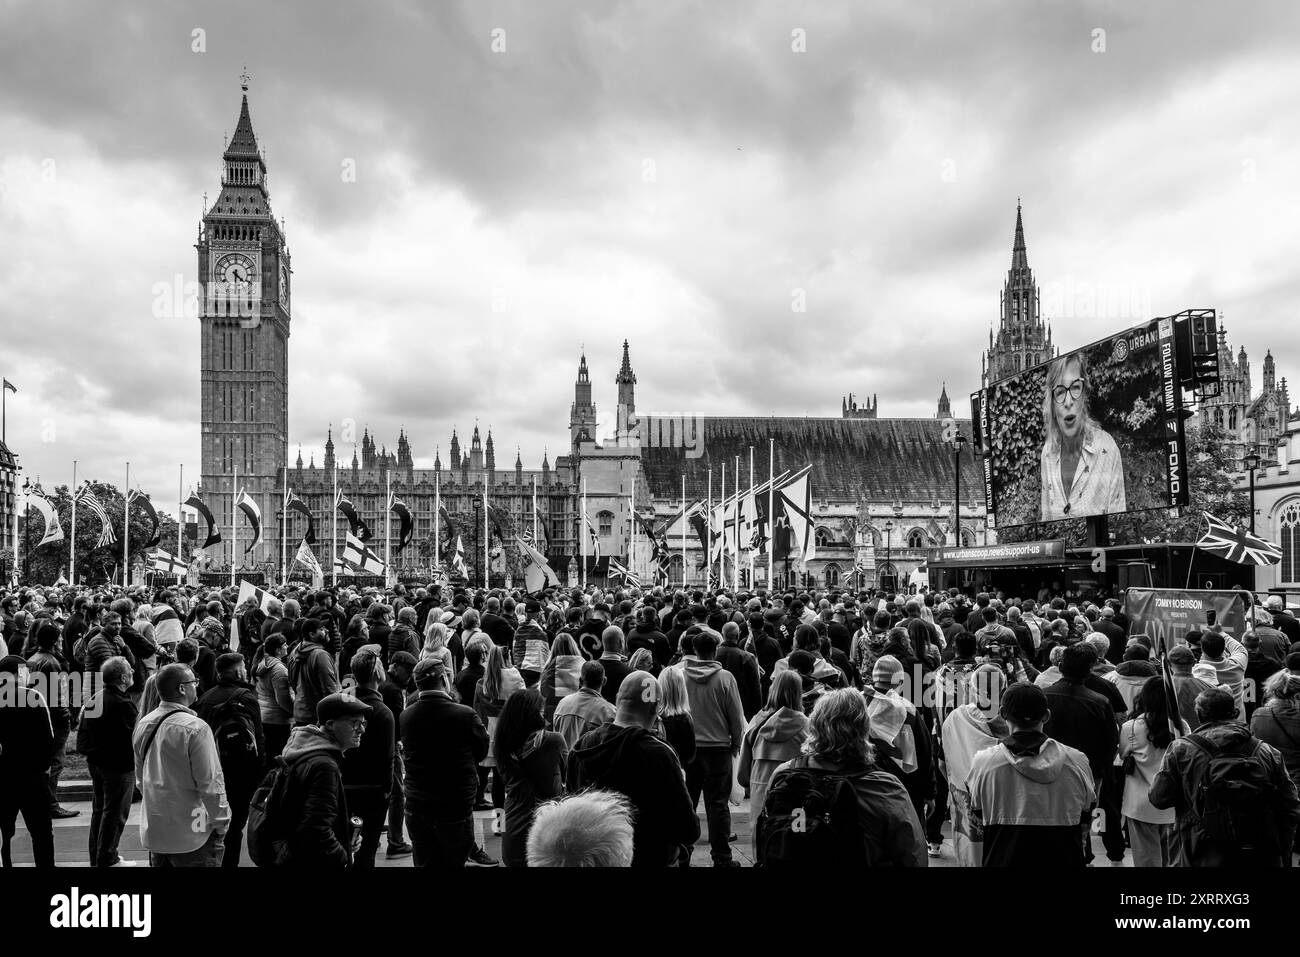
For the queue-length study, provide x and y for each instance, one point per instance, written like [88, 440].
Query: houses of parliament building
[883, 489]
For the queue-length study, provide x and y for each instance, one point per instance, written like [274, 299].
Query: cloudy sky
[532, 177]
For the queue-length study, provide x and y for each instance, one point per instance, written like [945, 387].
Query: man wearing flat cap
[314, 799]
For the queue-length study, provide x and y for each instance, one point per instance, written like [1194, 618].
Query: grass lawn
[74, 767]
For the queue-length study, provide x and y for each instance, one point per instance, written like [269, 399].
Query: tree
[94, 564]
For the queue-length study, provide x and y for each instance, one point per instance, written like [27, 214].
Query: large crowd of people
[321, 728]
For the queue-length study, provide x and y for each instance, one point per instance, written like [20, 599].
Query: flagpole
[180, 507]
[582, 533]
[126, 529]
[722, 532]
[487, 537]
[534, 511]
[388, 524]
[334, 532]
[284, 531]
[683, 530]
[234, 525]
[708, 531]
[771, 515]
[751, 492]
[437, 513]
[735, 560]
[631, 538]
[72, 546]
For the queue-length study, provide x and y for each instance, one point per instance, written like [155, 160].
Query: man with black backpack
[1235, 804]
[232, 712]
[312, 673]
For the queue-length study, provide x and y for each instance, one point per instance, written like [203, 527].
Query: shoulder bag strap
[153, 733]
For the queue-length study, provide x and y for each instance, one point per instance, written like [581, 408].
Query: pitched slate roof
[877, 460]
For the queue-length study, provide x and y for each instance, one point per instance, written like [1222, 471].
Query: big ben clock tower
[244, 309]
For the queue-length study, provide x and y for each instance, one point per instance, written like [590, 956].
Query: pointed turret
[298, 464]
[437, 458]
[1019, 255]
[329, 450]
[945, 407]
[491, 459]
[455, 449]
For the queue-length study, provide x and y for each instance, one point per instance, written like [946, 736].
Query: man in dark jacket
[646, 634]
[1266, 830]
[743, 667]
[442, 744]
[613, 661]
[104, 737]
[1259, 668]
[314, 799]
[1105, 624]
[106, 643]
[404, 637]
[765, 648]
[501, 631]
[625, 756]
[1084, 720]
[25, 746]
[49, 664]
[311, 670]
[393, 692]
[368, 768]
[231, 710]
[1283, 620]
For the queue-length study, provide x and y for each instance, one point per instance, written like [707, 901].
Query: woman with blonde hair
[675, 714]
[1080, 470]
[435, 644]
[837, 745]
[775, 735]
[561, 675]
[500, 680]
[642, 660]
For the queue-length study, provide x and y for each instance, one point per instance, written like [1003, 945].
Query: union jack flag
[624, 574]
[1236, 544]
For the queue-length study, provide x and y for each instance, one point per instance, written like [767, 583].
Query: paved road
[71, 840]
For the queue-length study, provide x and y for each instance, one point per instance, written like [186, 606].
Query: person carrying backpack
[232, 712]
[312, 674]
[832, 806]
[299, 814]
[1234, 803]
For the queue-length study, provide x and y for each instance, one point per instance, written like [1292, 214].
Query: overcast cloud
[670, 173]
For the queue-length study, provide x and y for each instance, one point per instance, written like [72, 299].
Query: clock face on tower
[284, 287]
[237, 272]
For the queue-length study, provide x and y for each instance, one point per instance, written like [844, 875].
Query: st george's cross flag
[167, 563]
[357, 554]
[1236, 544]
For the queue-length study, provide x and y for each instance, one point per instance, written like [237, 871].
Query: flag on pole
[246, 505]
[10, 386]
[357, 554]
[543, 540]
[1236, 544]
[298, 505]
[537, 571]
[248, 590]
[458, 560]
[139, 496]
[623, 573]
[53, 530]
[213, 536]
[595, 542]
[398, 508]
[167, 563]
[795, 499]
[307, 558]
[358, 525]
[106, 534]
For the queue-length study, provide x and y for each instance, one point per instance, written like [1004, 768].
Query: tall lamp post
[1251, 461]
[478, 508]
[27, 534]
[889, 568]
[958, 441]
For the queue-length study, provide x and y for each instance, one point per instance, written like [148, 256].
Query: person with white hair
[591, 829]
[1283, 620]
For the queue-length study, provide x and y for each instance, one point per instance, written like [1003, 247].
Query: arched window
[967, 538]
[605, 523]
[916, 538]
[832, 575]
[823, 537]
[1289, 533]
[1015, 360]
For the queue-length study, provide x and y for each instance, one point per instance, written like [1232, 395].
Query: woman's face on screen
[1067, 400]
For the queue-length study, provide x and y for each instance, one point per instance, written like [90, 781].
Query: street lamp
[958, 441]
[889, 535]
[478, 525]
[27, 534]
[1251, 461]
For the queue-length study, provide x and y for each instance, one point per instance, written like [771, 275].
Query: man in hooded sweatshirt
[719, 730]
[321, 836]
[586, 710]
[1131, 673]
[900, 737]
[627, 757]
[229, 705]
[312, 675]
[1030, 791]
[646, 634]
